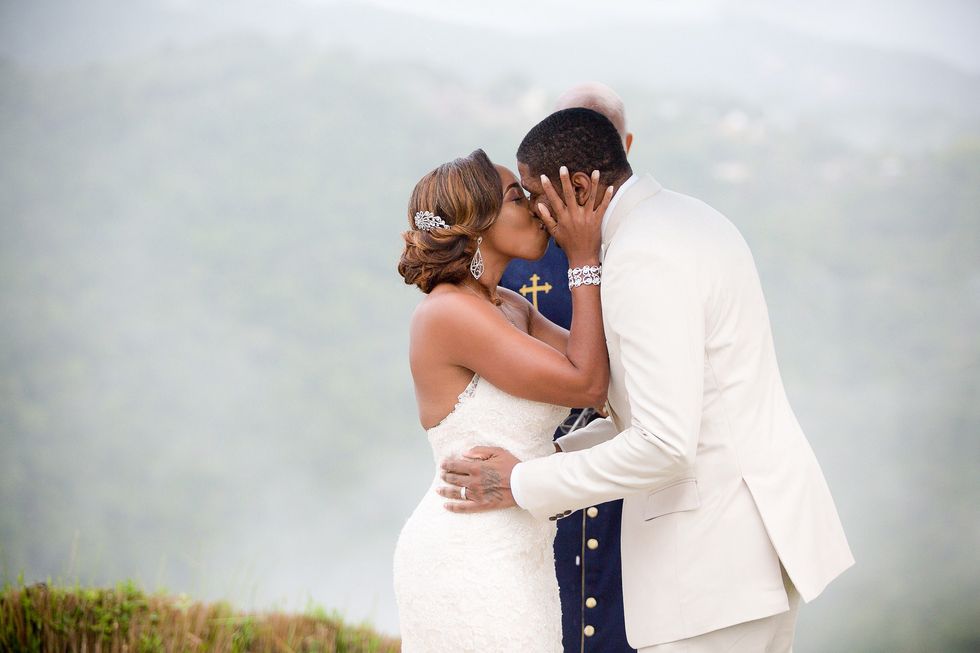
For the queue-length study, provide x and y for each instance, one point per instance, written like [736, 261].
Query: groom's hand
[485, 473]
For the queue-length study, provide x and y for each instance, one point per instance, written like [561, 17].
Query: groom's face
[581, 186]
[535, 190]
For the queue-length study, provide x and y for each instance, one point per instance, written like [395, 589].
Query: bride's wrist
[583, 261]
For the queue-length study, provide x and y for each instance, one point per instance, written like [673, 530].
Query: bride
[490, 370]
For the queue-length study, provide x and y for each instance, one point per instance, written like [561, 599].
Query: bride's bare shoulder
[447, 309]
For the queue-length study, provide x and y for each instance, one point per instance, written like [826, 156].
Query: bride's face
[517, 232]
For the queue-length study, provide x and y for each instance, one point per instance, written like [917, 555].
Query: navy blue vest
[587, 556]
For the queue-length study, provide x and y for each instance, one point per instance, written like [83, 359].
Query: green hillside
[41, 617]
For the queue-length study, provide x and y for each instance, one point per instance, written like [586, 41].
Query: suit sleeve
[657, 314]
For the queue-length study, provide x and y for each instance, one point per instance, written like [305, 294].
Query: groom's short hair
[581, 139]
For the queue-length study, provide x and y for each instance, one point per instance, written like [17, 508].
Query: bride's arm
[538, 325]
[546, 331]
[474, 334]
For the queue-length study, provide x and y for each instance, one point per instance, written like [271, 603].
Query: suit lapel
[645, 187]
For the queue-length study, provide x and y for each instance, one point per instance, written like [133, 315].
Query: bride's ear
[582, 184]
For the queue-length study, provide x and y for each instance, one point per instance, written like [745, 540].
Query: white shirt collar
[618, 195]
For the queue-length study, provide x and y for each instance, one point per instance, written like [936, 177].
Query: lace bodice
[482, 582]
[487, 416]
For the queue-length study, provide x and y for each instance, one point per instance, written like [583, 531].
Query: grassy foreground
[124, 619]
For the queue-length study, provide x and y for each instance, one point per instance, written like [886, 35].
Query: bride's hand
[577, 228]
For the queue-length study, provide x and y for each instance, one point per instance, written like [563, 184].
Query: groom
[727, 518]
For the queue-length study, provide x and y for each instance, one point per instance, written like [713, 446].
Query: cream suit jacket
[719, 481]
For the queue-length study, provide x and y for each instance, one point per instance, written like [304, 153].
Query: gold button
[592, 512]
[592, 543]
[589, 631]
[590, 602]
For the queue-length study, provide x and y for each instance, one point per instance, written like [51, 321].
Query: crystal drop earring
[476, 265]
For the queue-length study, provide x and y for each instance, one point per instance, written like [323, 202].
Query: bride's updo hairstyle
[466, 194]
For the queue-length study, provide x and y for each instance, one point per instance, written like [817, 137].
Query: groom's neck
[615, 181]
[620, 177]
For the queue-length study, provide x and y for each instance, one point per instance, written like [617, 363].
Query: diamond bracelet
[589, 275]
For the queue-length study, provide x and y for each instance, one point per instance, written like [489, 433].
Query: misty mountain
[738, 57]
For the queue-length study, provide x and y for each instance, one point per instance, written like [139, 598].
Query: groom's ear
[582, 183]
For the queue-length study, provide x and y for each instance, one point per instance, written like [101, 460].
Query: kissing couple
[727, 520]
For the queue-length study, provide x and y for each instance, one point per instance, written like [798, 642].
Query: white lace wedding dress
[481, 582]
